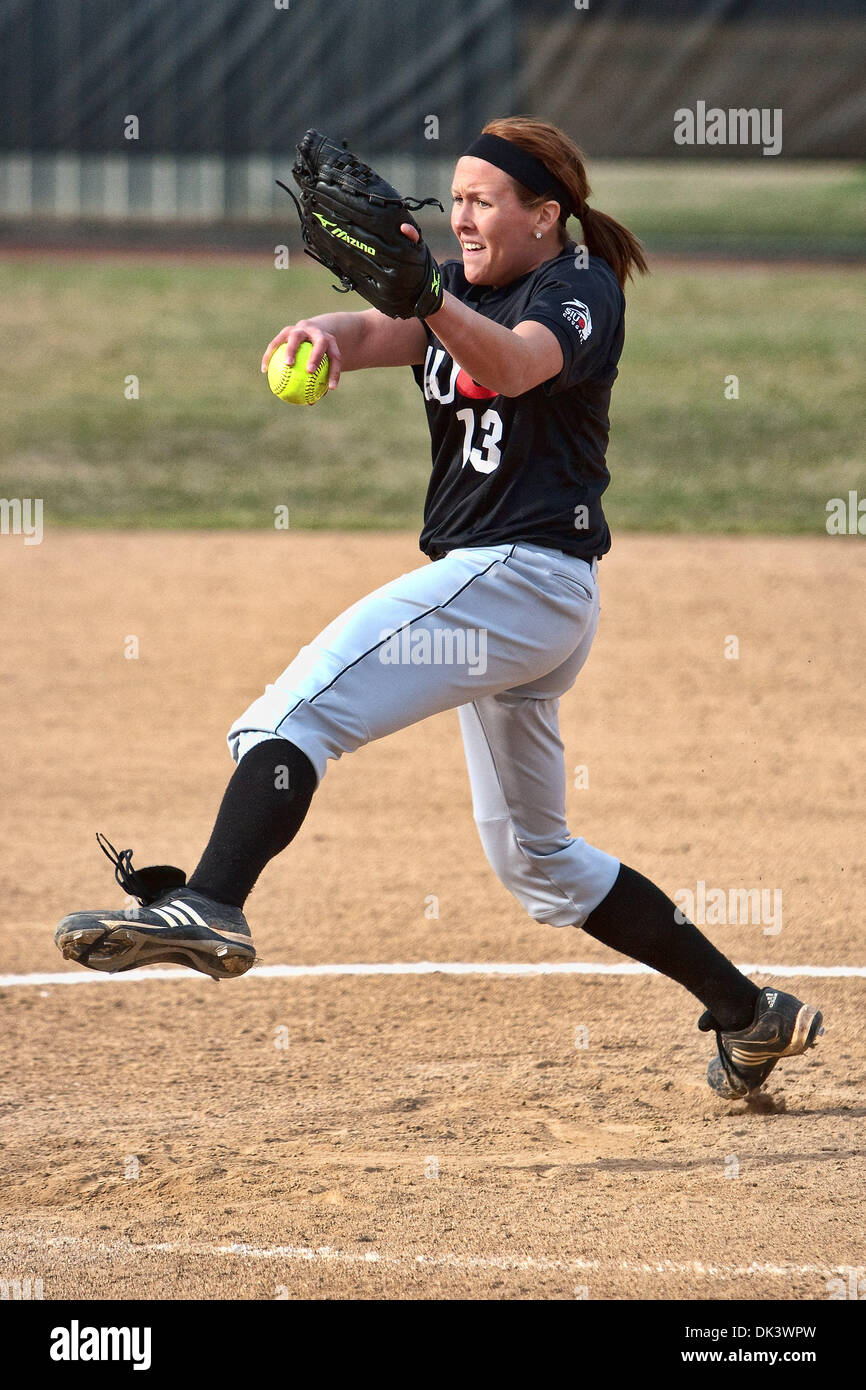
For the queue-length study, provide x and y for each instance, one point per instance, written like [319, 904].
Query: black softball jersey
[532, 467]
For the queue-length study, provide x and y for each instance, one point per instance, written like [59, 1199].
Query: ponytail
[603, 235]
[614, 243]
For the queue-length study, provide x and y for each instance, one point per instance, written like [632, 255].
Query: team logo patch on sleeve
[578, 316]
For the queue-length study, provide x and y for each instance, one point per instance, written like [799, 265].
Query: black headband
[523, 166]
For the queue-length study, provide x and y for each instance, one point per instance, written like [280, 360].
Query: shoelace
[125, 874]
[144, 884]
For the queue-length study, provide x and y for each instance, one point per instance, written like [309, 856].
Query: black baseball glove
[350, 220]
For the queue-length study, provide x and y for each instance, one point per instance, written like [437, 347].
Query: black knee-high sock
[261, 812]
[637, 919]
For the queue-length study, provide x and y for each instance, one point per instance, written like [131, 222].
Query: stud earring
[538, 236]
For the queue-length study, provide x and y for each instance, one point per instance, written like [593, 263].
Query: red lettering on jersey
[468, 386]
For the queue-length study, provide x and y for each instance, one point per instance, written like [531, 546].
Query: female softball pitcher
[516, 369]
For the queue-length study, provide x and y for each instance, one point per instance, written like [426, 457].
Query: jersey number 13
[484, 456]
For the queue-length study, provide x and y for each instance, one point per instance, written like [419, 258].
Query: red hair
[603, 235]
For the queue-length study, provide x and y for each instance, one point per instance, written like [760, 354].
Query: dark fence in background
[614, 75]
[236, 78]
[239, 77]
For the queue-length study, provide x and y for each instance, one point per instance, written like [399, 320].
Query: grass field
[206, 444]
[748, 206]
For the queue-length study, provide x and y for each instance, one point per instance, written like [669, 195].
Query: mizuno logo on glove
[343, 201]
[336, 231]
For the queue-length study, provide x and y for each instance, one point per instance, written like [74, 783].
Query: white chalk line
[420, 967]
[326, 1254]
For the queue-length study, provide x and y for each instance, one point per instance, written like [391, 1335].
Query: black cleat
[782, 1027]
[173, 925]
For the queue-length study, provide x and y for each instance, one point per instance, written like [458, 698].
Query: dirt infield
[427, 1135]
